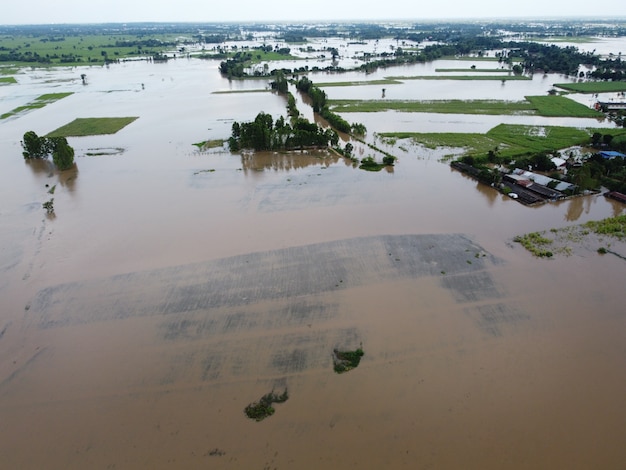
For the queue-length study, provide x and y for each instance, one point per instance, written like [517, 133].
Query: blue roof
[611, 154]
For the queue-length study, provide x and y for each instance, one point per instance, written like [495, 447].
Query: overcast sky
[121, 11]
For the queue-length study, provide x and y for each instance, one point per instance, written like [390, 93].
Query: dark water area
[173, 287]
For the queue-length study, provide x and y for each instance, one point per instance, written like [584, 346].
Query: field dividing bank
[476, 58]
[471, 70]
[386, 81]
[511, 140]
[37, 103]
[492, 107]
[593, 87]
[235, 92]
[460, 77]
[549, 106]
[81, 127]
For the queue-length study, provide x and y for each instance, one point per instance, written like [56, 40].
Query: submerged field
[509, 140]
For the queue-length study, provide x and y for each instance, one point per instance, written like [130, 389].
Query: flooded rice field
[173, 287]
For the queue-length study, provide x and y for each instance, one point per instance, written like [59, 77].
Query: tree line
[265, 134]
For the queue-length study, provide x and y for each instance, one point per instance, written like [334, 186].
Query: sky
[125, 11]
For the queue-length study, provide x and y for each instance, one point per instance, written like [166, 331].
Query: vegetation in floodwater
[262, 409]
[345, 360]
[369, 164]
[210, 144]
[7, 80]
[564, 239]
[52, 189]
[104, 151]
[49, 206]
[92, 126]
[612, 226]
[37, 103]
[535, 242]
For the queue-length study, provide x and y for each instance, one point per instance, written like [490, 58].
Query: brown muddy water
[174, 287]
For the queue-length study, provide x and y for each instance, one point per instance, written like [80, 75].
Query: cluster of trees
[612, 68]
[42, 147]
[265, 134]
[552, 58]
[319, 104]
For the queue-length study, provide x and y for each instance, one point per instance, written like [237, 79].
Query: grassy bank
[461, 77]
[560, 106]
[37, 103]
[7, 80]
[92, 126]
[593, 87]
[492, 107]
[471, 70]
[386, 81]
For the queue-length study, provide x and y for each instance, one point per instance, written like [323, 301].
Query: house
[615, 195]
[610, 105]
[610, 154]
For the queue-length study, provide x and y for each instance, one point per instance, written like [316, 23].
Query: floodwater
[173, 287]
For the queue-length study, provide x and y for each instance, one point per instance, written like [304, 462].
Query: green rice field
[92, 126]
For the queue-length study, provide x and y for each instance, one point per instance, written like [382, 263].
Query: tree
[63, 154]
[34, 146]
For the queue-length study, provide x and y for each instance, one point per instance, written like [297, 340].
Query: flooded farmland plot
[173, 286]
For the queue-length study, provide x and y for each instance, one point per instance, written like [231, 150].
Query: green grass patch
[521, 140]
[551, 106]
[386, 81]
[37, 103]
[560, 106]
[492, 107]
[7, 80]
[92, 126]
[259, 56]
[593, 87]
[461, 77]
